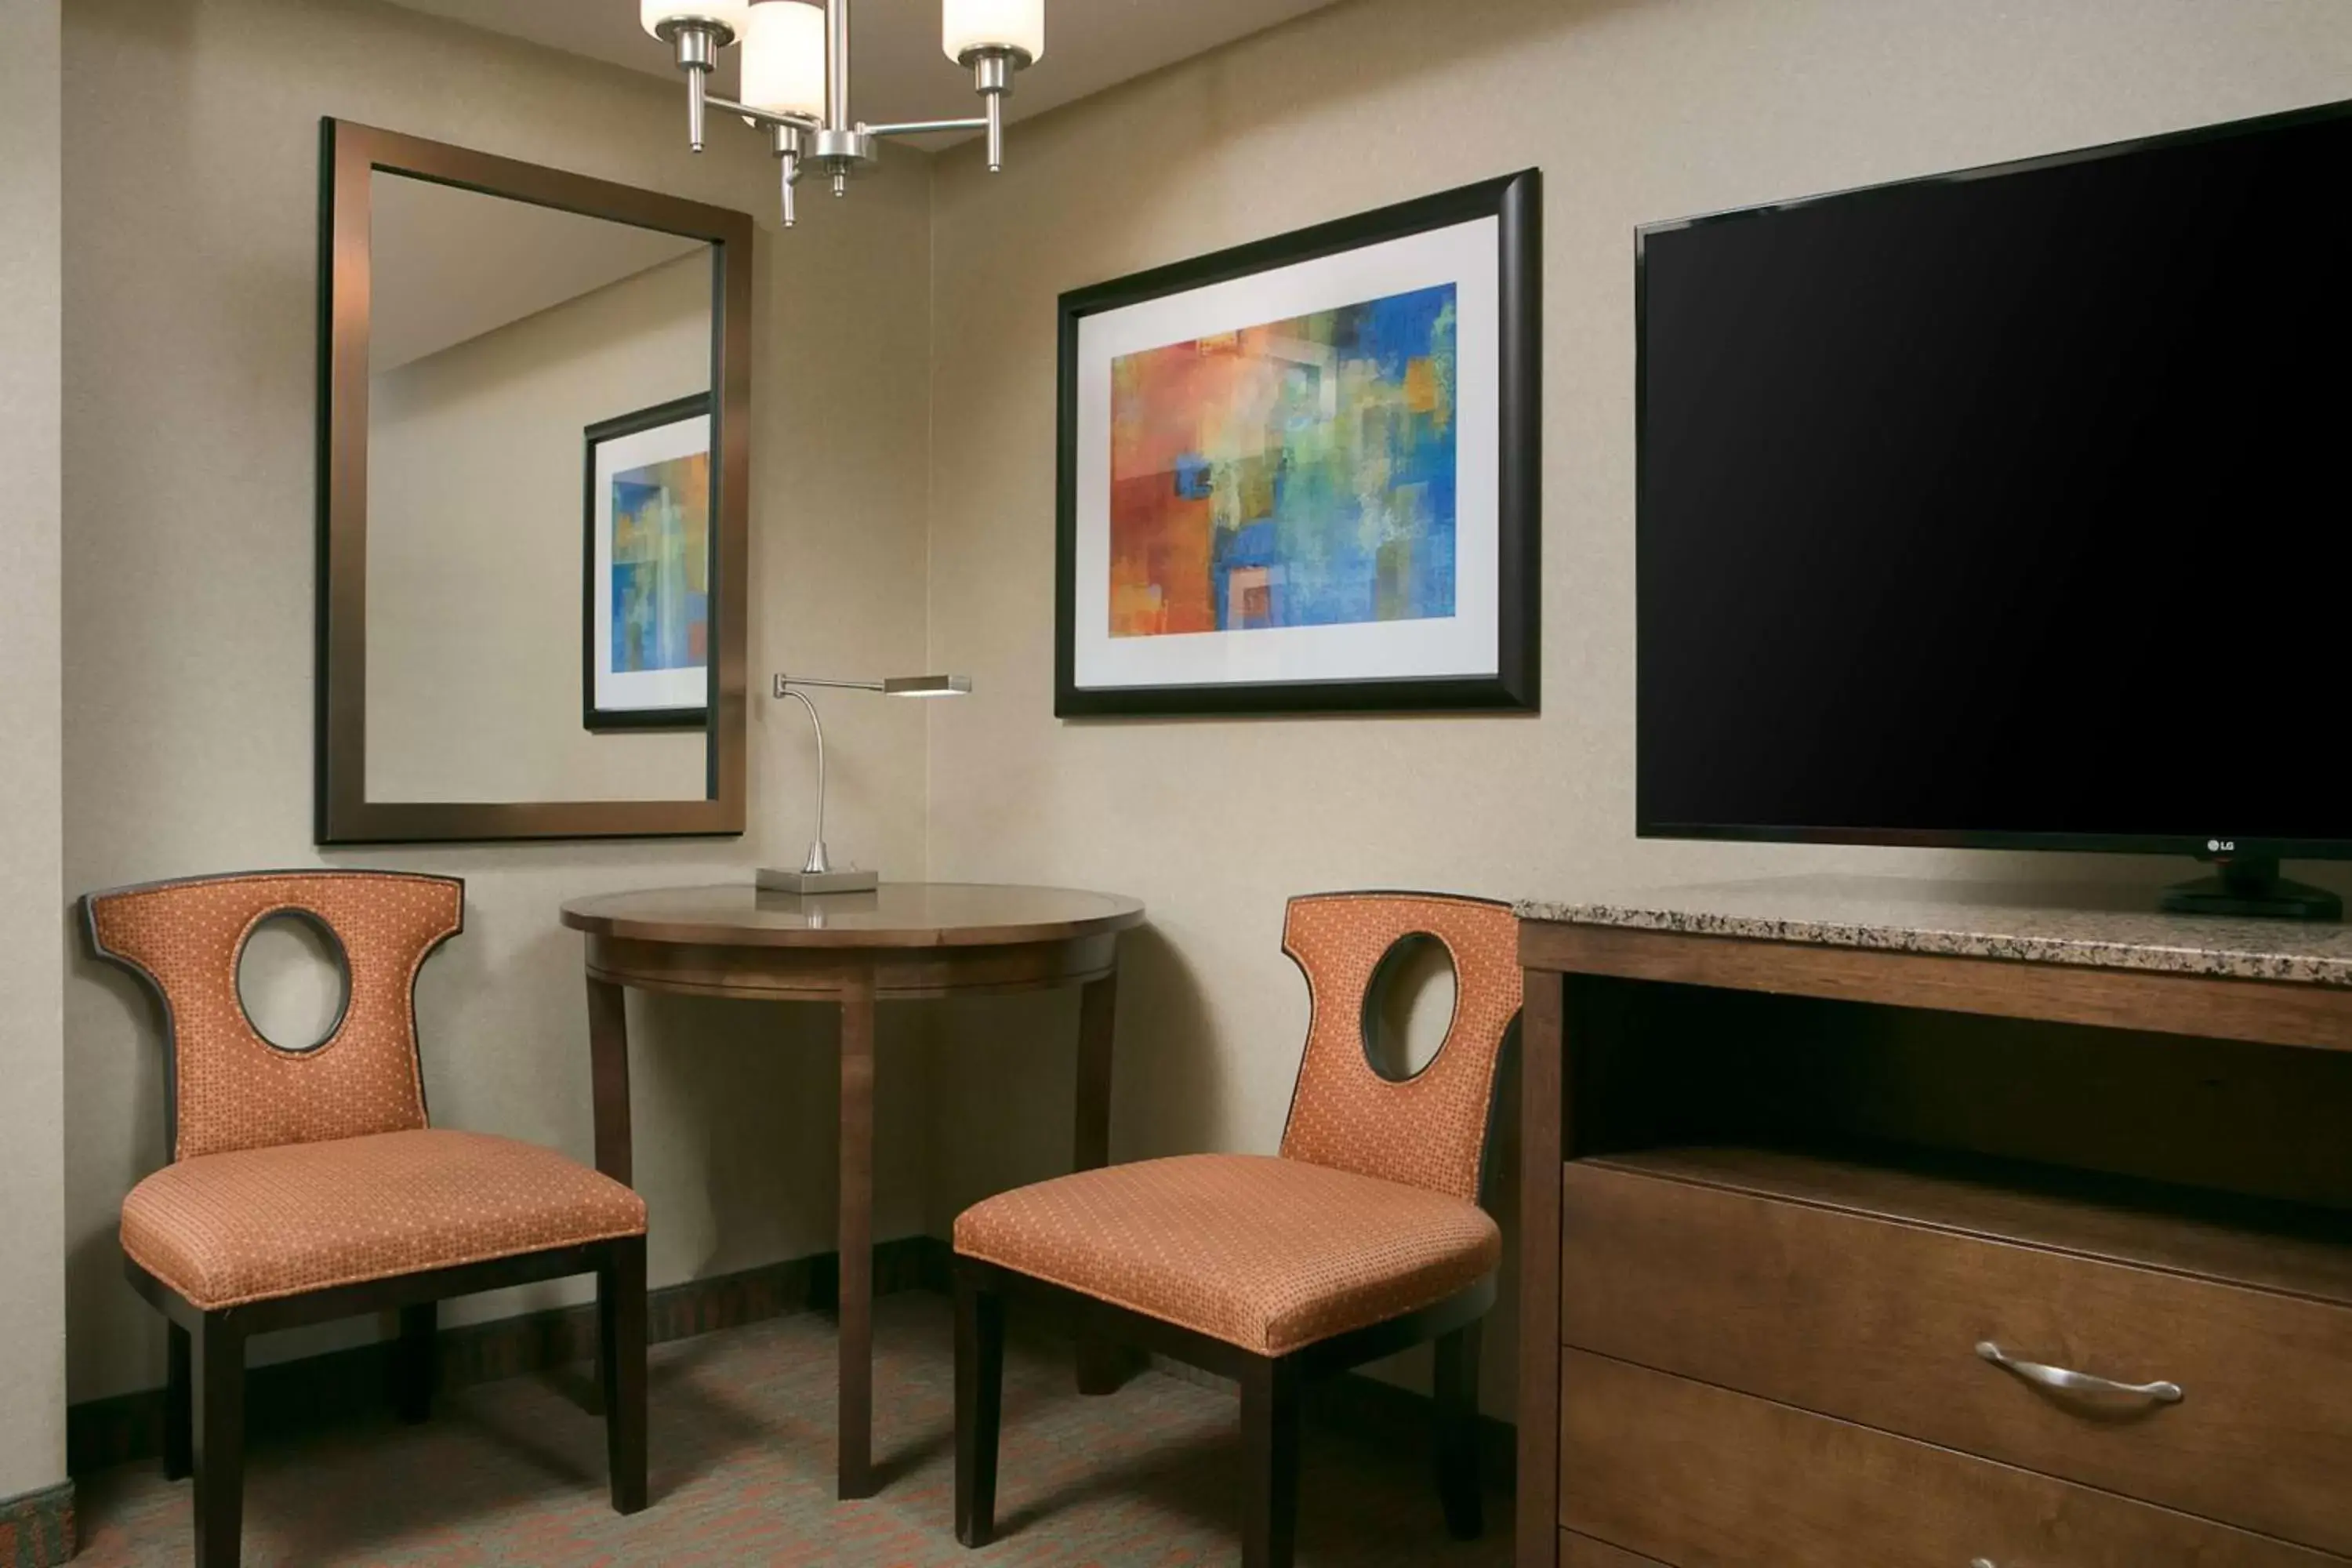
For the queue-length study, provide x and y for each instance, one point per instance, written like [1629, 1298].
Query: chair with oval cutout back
[306, 1185]
[1361, 1237]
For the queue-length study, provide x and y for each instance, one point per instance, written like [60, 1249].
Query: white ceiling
[899, 73]
[447, 265]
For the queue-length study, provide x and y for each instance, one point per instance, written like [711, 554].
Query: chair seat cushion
[1268, 1254]
[226, 1229]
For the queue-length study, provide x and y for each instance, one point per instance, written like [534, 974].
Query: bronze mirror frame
[349, 155]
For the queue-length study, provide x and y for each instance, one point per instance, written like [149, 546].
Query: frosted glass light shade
[727, 14]
[968, 24]
[784, 58]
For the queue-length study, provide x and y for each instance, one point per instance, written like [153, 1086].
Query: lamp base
[805, 882]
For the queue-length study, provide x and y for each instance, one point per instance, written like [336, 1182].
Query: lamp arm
[818, 861]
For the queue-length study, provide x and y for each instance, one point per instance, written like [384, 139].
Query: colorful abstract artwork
[646, 616]
[1304, 475]
[1301, 473]
[661, 559]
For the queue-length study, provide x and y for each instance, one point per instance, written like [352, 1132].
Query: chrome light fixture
[796, 76]
[817, 873]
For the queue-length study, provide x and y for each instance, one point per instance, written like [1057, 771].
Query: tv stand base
[2252, 888]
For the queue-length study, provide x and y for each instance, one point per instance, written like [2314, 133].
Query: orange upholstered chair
[306, 1184]
[1363, 1236]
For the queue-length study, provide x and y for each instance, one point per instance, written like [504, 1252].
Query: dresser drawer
[1878, 1322]
[1702, 1477]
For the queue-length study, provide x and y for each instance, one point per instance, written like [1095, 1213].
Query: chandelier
[796, 76]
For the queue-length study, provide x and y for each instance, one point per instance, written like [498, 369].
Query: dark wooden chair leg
[176, 1376]
[621, 1367]
[218, 1397]
[1456, 1388]
[415, 1361]
[1270, 1465]
[979, 1406]
[1104, 1365]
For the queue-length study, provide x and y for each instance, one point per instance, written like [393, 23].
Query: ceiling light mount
[797, 77]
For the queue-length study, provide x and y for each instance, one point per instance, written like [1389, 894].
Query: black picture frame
[1516, 202]
[602, 720]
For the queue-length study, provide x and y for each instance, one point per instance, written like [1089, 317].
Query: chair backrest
[1428, 1130]
[230, 1089]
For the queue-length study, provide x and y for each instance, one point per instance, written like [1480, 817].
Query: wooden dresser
[1932, 1225]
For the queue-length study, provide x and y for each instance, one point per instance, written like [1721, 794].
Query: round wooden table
[905, 941]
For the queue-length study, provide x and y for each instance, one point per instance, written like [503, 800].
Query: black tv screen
[2007, 507]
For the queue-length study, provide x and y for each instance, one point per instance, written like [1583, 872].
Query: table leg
[1098, 1001]
[856, 1457]
[608, 1066]
[1102, 1365]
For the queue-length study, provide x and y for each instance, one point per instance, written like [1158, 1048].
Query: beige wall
[903, 518]
[32, 915]
[191, 207]
[473, 548]
[1635, 110]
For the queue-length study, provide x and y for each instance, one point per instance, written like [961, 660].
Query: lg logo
[2220, 846]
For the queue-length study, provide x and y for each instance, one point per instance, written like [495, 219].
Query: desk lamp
[818, 874]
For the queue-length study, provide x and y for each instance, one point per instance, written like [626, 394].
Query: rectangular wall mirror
[533, 501]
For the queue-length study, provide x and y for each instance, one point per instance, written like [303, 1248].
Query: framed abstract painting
[646, 648]
[1302, 475]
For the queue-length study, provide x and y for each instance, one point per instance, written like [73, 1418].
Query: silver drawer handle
[2076, 1382]
[1981, 1562]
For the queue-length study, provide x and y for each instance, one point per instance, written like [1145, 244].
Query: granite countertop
[2096, 926]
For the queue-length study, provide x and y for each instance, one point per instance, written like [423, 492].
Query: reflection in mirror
[538, 502]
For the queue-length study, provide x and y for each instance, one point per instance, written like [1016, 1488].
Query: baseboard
[36, 1529]
[303, 1395]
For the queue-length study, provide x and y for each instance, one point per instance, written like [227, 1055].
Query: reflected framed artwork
[1302, 475]
[646, 648]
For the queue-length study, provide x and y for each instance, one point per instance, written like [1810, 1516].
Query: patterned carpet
[513, 1472]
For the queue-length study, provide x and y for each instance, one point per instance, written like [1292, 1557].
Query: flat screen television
[2010, 509]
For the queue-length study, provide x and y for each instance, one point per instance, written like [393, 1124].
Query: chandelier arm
[923, 127]
[766, 117]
